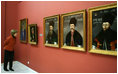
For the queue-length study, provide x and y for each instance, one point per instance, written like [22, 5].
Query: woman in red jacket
[9, 50]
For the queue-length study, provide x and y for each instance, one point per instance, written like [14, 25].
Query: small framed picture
[103, 29]
[51, 31]
[32, 34]
[73, 30]
[23, 30]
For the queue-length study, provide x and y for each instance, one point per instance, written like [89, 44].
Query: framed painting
[23, 30]
[32, 34]
[73, 30]
[103, 29]
[51, 31]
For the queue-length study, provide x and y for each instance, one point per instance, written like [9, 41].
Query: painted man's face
[51, 28]
[72, 27]
[105, 25]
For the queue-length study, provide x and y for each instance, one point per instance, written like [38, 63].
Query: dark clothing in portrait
[77, 39]
[33, 37]
[106, 40]
[23, 35]
[52, 37]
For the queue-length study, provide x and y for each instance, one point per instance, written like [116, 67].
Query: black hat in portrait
[73, 21]
[108, 17]
[51, 23]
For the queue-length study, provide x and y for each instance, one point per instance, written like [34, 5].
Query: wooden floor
[18, 67]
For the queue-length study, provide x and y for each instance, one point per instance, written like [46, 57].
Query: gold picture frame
[51, 39]
[32, 34]
[100, 15]
[80, 19]
[23, 30]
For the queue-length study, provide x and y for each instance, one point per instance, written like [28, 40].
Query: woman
[9, 50]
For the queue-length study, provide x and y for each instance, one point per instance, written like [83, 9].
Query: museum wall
[49, 59]
[2, 29]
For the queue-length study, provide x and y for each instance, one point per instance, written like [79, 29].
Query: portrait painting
[73, 30]
[103, 29]
[23, 30]
[51, 31]
[32, 34]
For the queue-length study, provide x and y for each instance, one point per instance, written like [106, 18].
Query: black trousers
[8, 57]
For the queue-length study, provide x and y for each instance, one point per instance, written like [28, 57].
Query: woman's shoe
[11, 69]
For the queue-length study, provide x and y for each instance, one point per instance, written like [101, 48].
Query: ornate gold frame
[52, 45]
[84, 31]
[30, 25]
[90, 10]
[26, 29]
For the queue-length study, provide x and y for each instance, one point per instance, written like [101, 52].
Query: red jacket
[9, 43]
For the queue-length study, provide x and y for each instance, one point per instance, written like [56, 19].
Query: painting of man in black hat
[52, 36]
[73, 37]
[106, 38]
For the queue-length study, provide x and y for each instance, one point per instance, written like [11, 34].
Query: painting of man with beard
[73, 38]
[106, 38]
[52, 36]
